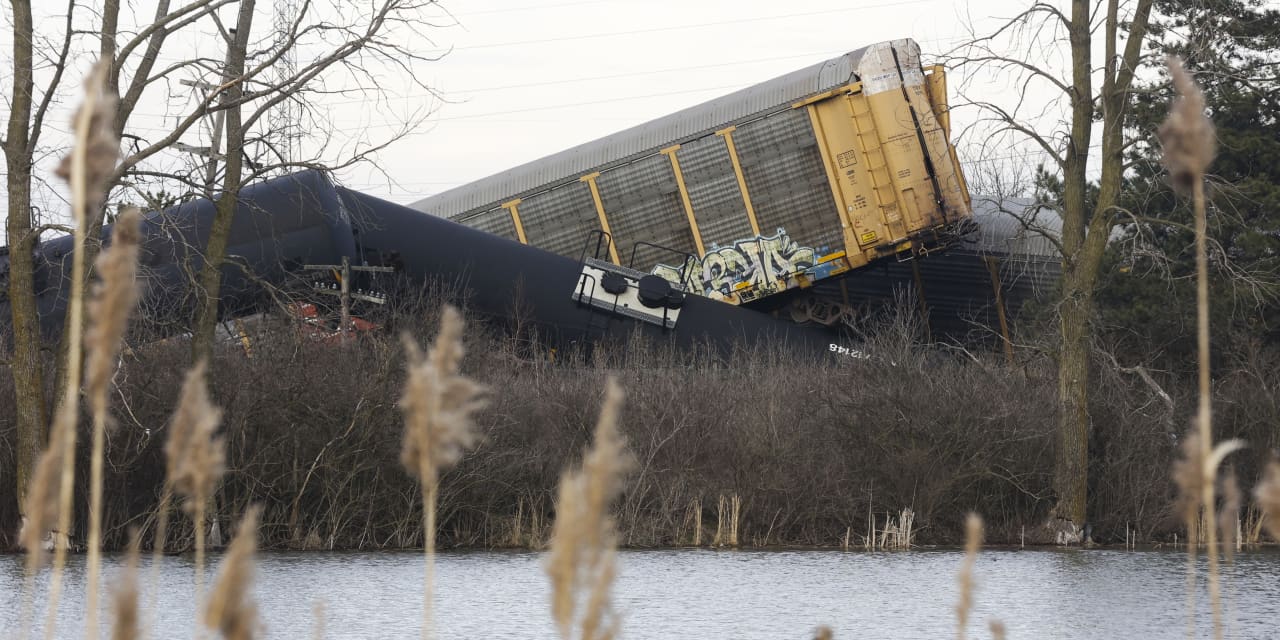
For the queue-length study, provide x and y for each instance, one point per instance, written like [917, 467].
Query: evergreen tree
[1146, 296]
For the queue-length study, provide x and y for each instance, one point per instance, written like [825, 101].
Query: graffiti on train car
[758, 264]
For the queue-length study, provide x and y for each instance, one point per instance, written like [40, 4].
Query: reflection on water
[707, 594]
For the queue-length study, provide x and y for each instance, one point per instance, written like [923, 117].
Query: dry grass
[728, 519]
[583, 539]
[231, 610]
[438, 405]
[897, 533]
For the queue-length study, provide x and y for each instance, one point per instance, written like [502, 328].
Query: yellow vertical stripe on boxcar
[513, 208]
[670, 152]
[727, 134]
[590, 179]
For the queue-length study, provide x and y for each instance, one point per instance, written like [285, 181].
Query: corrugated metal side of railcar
[559, 220]
[785, 177]
[713, 189]
[643, 205]
[642, 140]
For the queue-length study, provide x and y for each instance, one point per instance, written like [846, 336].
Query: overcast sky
[521, 79]
[526, 79]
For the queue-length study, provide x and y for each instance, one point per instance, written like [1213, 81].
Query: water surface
[709, 594]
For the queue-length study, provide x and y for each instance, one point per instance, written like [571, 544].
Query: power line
[684, 27]
[615, 76]
[568, 105]
[530, 8]
[552, 107]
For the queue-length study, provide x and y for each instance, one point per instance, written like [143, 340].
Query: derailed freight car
[771, 188]
[282, 225]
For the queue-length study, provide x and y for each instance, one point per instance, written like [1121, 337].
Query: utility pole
[343, 291]
[211, 151]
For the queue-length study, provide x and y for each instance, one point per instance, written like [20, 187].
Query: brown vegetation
[812, 447]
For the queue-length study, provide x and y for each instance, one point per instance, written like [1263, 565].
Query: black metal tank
[284, 223]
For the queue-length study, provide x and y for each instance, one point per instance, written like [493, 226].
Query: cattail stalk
[92, 159]
[158, 543]
[1229, 520]
[438, 403]
[195, 459]
[231, 610]
[1188, 142]
[1188, 474]
[583, 540]
[997, 630]
[113, 302]
[1267, 494]
[42, 508]
[972, 542]
[125, 626]
[1204, 418]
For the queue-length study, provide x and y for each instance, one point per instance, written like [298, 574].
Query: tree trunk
[215, 252]
[27, 366]
[1071, 464]
[1086, 228]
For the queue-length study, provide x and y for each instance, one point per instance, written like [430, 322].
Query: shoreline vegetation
[755, 448]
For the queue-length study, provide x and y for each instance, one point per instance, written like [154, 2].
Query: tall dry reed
[42, 507]
[1188, 475]
[998, 631]
[1229, 519]
[231, 610]
[583, 538]
[1267, 494]
[92, 159]
[1188, 142]
[113, 301]
[972, 543]
[438, 404]
[195, 458]
[125, 601]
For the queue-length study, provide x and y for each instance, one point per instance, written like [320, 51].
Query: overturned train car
[766, 190]
[285, 224]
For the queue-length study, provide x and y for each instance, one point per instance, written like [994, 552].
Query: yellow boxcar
[771, 188]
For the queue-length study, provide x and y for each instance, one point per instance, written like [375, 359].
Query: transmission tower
[286, 116]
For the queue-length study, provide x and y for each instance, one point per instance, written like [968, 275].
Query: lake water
[710, 594]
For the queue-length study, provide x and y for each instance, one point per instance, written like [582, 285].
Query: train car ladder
[877, 166]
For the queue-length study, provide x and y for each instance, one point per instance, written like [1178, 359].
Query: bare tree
[1023, 50]
[367, 43]
[250, 94]
[20, 144]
